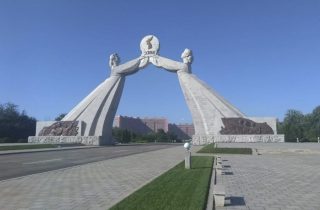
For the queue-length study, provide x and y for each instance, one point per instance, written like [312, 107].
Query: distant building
[140, 125]
[156, 124]
[147, 125]
[132, 124]
[183, 131]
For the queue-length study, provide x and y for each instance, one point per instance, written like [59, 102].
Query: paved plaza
[283, 177]
[91, 186]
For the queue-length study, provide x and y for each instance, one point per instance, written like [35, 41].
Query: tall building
[183, 131]
[156, 124]
[147, 125]
[140, 125]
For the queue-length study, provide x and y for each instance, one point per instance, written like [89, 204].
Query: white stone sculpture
[98, 109]
[206, 106]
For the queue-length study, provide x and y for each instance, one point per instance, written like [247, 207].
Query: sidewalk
[284, 177]
[96, 185]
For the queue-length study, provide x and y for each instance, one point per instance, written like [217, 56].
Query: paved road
[16, 165]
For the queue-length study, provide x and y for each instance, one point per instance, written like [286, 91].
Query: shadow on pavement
[235, 201]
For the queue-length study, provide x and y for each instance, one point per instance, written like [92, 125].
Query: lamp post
[187, 156]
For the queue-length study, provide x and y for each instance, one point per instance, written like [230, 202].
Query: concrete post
[318, 139]
[297, 140]
[187, 159]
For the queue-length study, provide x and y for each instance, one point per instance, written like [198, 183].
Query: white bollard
[187, 159]
[187, 156]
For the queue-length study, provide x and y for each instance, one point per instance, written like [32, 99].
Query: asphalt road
[16, 165]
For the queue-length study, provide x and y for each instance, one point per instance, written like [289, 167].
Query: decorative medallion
[149, 45]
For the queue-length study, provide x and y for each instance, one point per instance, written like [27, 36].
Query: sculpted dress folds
[98, 109]
[206, 106]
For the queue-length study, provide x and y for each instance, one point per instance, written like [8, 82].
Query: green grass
[207, 149]
[31, 146]
[179, 188]
[210, 149]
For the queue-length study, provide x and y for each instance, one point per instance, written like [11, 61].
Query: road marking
[43, 161]
[123, 150]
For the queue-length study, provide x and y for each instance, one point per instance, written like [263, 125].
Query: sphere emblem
[149, 45]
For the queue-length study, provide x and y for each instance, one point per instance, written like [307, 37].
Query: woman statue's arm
[166, 63]
[129, 67]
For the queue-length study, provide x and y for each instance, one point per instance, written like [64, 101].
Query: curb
[9, 152]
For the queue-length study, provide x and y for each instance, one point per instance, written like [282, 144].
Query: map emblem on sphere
[149, 45]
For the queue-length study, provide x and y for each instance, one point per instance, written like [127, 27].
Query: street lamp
[187, 146]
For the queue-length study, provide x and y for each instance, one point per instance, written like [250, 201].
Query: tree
[316, 121]
[293, 125]
[280, 129]
[312, 122]
[60, 117]
[173, 137]
[15, 126]
[123, 135]
[162, 136]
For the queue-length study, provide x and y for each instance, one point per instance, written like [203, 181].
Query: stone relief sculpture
[239, 126]
[61, 128]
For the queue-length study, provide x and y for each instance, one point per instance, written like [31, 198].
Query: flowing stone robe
[206, 106]
[98, 109]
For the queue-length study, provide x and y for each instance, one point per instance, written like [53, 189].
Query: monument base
[86, 140]
[208, 139]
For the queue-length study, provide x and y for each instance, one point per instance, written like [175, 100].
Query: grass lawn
[178, 188]
[210, 149]
[30, 146]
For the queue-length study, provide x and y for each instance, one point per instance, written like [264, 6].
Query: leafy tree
[293, 125]
[280, 129]
[296, 125]
[15, 126]
[173, 137]
[123, 135]
[162, 136]
[316, 121]
[60, 117]
[127, 136]
[312, 122]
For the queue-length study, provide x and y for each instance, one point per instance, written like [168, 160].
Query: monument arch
[214, 119]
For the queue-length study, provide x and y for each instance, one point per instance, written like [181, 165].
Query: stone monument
[214, 119]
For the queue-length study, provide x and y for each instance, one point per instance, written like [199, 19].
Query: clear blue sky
[262, 56]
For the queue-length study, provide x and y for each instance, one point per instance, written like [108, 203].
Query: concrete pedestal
[263, 138]
[86, 140]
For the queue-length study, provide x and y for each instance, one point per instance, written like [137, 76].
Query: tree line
[16, 126]
[297, 125]
[128, 136]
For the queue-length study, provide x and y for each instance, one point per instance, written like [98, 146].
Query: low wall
[207, 139]
[86, 140]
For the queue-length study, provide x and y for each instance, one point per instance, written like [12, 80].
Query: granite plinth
[207, 139]
[86, 140]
